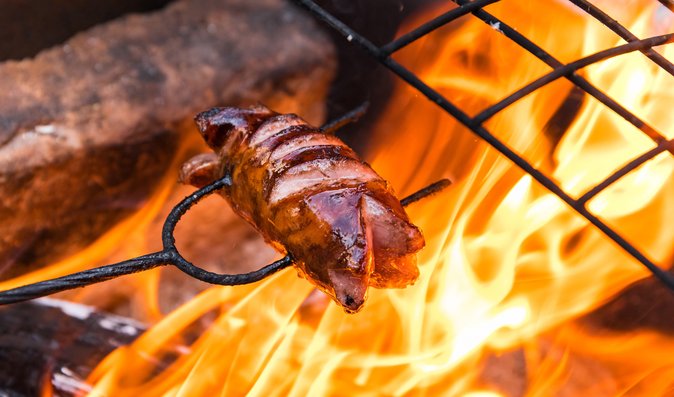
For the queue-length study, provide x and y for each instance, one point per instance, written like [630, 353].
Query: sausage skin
[309, 195]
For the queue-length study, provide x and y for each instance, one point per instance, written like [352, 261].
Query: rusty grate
[383, 54]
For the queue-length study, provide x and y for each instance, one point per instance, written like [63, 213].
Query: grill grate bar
[569, 68]
[434, 24]
[669, 4]
[626, 169]
[579, 81]
[622, 31]
[474, 124]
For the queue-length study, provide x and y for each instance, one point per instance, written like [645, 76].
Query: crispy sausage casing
[311, 196]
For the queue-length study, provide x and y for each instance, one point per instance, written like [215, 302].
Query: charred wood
[53, 345]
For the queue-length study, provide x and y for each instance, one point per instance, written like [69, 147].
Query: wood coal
[646, 304]
[52, 344]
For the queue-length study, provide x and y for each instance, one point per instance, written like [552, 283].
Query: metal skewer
[169, 254]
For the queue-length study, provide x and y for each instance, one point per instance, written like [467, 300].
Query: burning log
[646, 304]
[78, 120]
[50, 344]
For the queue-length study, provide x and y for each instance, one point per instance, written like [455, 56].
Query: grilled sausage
[311, 196]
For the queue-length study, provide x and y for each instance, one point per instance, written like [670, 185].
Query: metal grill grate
[169, 255]
[559, 70]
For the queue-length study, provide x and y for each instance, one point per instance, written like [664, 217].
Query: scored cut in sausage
[310, 196]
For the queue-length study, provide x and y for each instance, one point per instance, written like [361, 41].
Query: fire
[507, 267]
[125, 240]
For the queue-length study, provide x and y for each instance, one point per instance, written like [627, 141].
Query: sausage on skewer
[311, 196]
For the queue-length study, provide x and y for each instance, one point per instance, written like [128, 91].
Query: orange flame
[507, 265]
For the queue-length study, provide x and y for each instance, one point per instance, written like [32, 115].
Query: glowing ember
[507, 265]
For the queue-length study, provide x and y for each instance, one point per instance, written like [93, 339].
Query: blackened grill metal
[476, 124]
